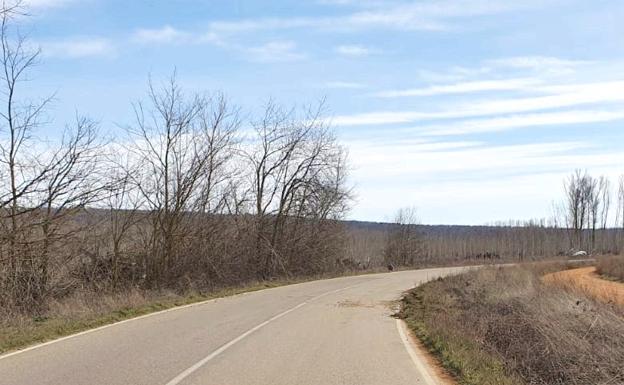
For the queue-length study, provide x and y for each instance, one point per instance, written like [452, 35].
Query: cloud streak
[275, 51]
[563, 97]
[166, 34]
[507, 123]
[462, 88]
[427, 15]
[354, 50]
[79, 47]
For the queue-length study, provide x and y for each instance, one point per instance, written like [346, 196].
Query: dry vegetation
[194, 199]
[505, 326]
[185, 204]
[611, 267]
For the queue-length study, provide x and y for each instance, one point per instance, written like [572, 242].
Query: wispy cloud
[561, 97]
[355, 50]
[476, 175]
[506, 123]
[380, 160]
[462, 88]
[39, 4]
[275, 51]
[540, 64]
[79, 47]
[429, 15]
[165, 34]
[343, 85]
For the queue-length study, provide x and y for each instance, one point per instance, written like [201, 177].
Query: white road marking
[422, 368]
[180, 377]
[7, 355]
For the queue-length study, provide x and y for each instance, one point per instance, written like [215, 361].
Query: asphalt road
[336, 331]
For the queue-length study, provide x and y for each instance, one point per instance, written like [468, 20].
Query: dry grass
[611, 267]
[83, 311]
[505, 326]
[585, 281]
[87, 310]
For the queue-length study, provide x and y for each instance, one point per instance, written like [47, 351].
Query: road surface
[336, 331]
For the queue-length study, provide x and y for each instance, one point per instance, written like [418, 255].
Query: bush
[612, 267]
[504, 326]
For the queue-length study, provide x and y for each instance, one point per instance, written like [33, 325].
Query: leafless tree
[620, 208]
[298, 176]
[44, 183]
[576, 195]
[181, 146]
[404, 244]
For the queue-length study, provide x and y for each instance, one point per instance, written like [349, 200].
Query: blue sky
[471, 110]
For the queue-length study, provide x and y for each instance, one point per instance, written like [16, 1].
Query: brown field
[587, 280]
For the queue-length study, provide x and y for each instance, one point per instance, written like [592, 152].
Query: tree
[404, 243]
[181, 145]
[298, 178]
[43, 184]
[576, 197]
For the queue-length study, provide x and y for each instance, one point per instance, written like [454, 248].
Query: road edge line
[420, 366]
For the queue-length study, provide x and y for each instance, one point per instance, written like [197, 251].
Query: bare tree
[404, 244]
[180, 144]
[620, 209]
[576, 196]
[44, 183]
[298, 176]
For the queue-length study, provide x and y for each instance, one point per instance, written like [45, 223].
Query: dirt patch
[350, 303]
[587, 280]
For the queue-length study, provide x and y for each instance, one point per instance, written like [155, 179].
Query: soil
[590, 282]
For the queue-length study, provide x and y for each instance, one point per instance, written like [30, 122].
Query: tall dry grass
[611, 266]
[505, 326]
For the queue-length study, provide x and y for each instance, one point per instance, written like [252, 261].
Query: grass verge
[504, 326]
[88, 310]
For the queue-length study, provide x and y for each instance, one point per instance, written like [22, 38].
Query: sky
[472, 111]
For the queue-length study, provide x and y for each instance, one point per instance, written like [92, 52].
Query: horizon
[472, 110]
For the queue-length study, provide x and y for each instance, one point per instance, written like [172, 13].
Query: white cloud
[430, 15]
[354, 50]
[79, 47]
[516, 121]
[35, 4]
[166, 34]
[378, 160]
[565, 96]
[275, 51]
[430, 175]
[462, 88]
[272, 51]
[343, 85]
[538, 63]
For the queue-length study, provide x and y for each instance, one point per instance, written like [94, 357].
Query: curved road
[335, 331]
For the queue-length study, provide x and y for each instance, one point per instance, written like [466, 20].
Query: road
[336, 331]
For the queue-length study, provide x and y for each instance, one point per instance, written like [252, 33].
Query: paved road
[336, 331]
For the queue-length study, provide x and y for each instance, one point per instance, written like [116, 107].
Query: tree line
[589, 219]
[193, 196]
